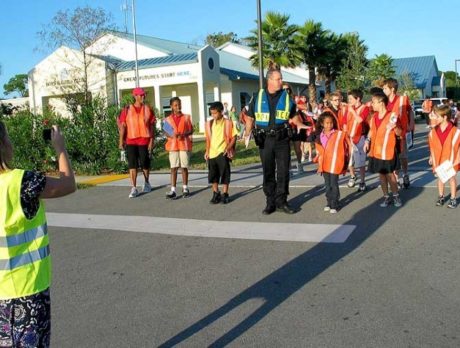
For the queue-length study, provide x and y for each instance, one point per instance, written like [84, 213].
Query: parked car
[417, 107]
[437, 101]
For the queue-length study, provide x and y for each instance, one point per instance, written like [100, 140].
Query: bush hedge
[91, 136]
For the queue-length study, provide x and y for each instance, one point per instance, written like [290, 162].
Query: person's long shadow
[278, 286]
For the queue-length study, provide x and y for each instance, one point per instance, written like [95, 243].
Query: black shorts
[219, 170]
[376, 165]
[138, 155]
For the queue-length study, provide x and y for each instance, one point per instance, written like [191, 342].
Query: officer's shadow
[279, 285]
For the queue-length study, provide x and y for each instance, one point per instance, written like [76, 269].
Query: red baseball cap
[138, 91]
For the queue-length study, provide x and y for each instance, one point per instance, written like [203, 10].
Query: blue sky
[400, 28]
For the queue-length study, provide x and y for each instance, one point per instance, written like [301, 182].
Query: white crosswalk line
[292, 232]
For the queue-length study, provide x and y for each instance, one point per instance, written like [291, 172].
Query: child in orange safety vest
[178, 129]
[444, 142]
[333, 149]
[220, 149]
[385, 126]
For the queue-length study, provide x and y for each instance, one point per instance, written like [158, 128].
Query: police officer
[271, 110]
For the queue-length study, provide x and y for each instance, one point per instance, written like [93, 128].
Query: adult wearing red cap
[137, 132]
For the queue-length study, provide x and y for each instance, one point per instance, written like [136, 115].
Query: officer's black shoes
[269, 209]
[216, 198]
[285, 208]
[225, 198]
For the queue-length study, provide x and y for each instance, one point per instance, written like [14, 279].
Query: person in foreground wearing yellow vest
[271, 111]
[220, 150]
[179, 145]
[137, 129]
[25, 265]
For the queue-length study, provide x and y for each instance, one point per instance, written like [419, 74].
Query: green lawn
[243, 156]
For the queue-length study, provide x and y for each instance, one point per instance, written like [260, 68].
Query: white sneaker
[397, 201]
[333, 211]
[386, 201]
[147, 188]
[133, 193]
[299, 168]
[352, 182]
[327, 208]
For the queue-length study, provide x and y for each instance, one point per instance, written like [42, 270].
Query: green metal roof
[166, 46]
[159, 61]
[419, 68]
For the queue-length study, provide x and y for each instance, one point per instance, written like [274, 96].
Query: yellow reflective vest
[25, 265]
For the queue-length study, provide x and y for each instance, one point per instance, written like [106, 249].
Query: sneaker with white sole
[397, 201]
[362, 187]
[352, 182]
[386, 202]
[333, 211]
[299, 168]
[147, 188]
[327, 208]
[171, 195]
[440, 202]
[452, 203]
[133, 193]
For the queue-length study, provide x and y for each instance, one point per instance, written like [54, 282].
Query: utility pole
[259, 34]
[135, 43]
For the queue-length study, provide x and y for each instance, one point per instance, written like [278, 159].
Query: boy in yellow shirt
[220, 149]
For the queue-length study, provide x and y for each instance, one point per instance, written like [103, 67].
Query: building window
[211, 63]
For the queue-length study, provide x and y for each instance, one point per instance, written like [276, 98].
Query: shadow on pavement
[278, 286]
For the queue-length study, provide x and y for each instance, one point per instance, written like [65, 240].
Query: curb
[104, 179]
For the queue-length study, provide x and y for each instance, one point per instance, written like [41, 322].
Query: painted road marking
[289, 232]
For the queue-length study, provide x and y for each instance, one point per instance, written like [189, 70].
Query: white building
[198, 75]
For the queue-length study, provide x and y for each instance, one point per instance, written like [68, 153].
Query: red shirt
[136, 141]
[443, 135]
[363, 115]
[176, 119]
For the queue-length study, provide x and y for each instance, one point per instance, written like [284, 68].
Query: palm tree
[278, 41]
[333, 59]
[380, 68]
[312, 42]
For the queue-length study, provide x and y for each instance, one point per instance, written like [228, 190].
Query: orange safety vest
[383, 140]
[138, 124]
[228, 131]
[448, 151]
[354, 125]
[185, 142]
[401, 108]
[333, 158]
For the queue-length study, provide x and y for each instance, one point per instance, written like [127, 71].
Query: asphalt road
[392, 282]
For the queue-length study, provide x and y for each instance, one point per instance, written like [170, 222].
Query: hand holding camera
[54, 136]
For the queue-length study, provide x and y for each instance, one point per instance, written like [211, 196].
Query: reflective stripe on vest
[454, 141]
[383, 140]
[24, 259]
[25, 237]
[262, 111]
[25, 265]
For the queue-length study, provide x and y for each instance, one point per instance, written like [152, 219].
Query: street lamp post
[135, 43]
[456, 74]
[259, 34]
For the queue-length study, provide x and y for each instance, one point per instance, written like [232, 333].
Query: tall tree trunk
[311, 85]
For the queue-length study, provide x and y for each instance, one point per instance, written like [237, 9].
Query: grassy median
[243, 156]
